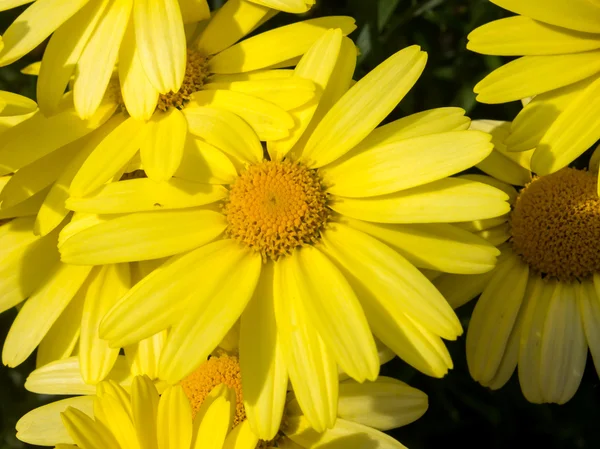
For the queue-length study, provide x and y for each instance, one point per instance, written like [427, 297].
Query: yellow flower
[314, 246]
[560, 69]
[209, 406]
[539, 309]
[88, 36]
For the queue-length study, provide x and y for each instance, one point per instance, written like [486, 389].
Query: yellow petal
[407, 163]
[202, 162]
[589, 305]
[527, 76]
[86, 432]
[311, 366]
[241, 437]
[226, 131]
[214, 311]
[579, 15]
[277, 45]
[232, 21]
[43, 425]
[114, 412]
[438, 246]
[573, 132]
[213, 421]
[34, 25]
[144, 405]
[316, 65]
[494, 318]
[137, 195]
[270, 122]
[364, 106]
[520, 35]
[95, 66]
[293, 6]
[160, 40]
[143, 357]
[108, 157]
[62, 53]
[265, 376]
[15, 104]
[105, 288]
[64, 377]
[143, 236]
[194, 10]
[139, 95]
[446, 200]
[564, 347]
[384, 404]
[161, 148]
[40, 311]
[174, 420]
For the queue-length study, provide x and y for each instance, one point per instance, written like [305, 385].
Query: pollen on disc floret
[555, 225]
[196, 73]
[217, 370]
[274, 207]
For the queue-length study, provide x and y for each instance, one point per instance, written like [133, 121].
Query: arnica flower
[206, 410]
[559, 42]
[539, 309]
[314, 244]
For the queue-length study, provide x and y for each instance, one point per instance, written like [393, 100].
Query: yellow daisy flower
[88, 36]
[210, 402]
[559, 43]
[314, 246]
[539, 308]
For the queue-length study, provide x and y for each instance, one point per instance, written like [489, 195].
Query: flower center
[556, 225]
[217, 370]
[196, 72]
[274, 207]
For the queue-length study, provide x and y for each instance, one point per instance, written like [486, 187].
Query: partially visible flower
[209, 406]
[539, 309]
[559, 43]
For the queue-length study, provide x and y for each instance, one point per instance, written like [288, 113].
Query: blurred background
[461, 412]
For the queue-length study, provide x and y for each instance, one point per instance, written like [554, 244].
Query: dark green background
[461, 412]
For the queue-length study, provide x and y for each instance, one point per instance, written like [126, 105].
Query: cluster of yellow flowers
[214, 244]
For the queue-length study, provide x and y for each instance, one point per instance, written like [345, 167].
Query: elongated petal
[95, 66]
[108, 157]
[62, 53]
[64, 377]
[408, 163]
[241, 437]
[265, 377]
[112, 408]
[317, 65]
[202, 162]
[143, 357]
[446, 200]
[34, 25]
[40, 311]
[343, 435]
[108, 285]
[458, 289]
[284, 43]
[194, 10]
[160, 40]
[364, 106]
[270, 122]
[438, 246]
[143, 236]
[141, 312]
[589, 304]
[174, 420]
[213, 420]
[580, 15]
[564, 348]
[524, 77]
[293, 6]
[139, 95]
[311, 365]
[43, 425]
[384, 404]
[214, 311]
[144, 405]
[86, 432]
[137, 195]
[161, 149]
[226, 131]
[520, 35]
[231, 22]
[494, 318]
[573, 132]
